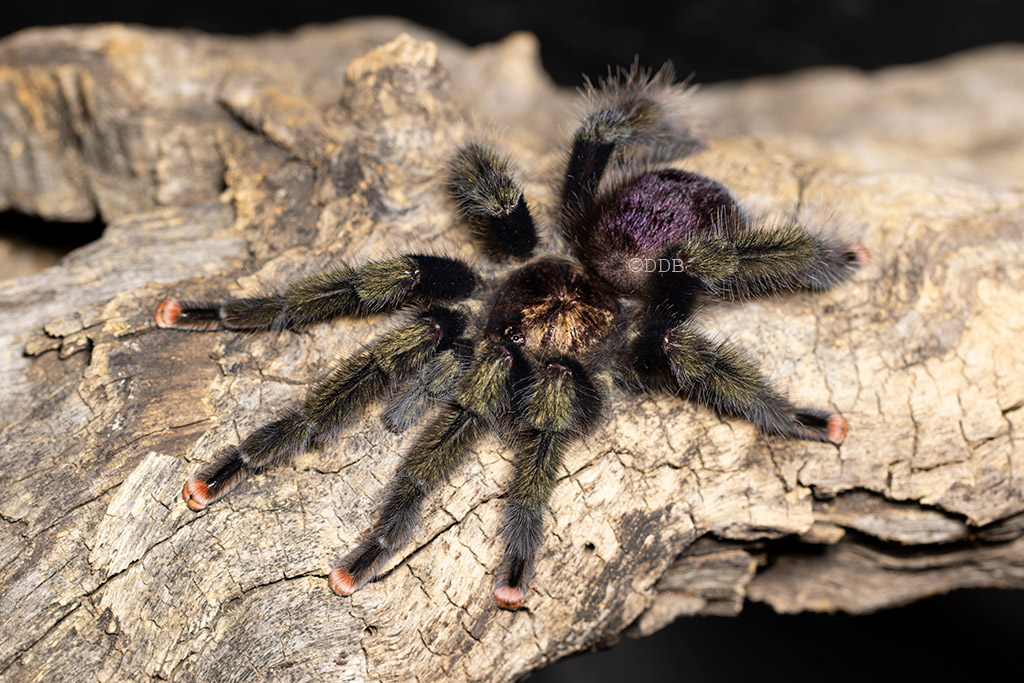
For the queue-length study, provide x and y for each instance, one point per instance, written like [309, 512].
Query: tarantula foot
[508, 597]
[168, 313]
[837, 427]
[359, 566]
[196, 494]
[860, 254]
[341, 582]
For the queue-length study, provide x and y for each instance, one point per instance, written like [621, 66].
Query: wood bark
[235, 164]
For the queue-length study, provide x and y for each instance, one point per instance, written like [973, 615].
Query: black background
[969, 635]
[717, 39]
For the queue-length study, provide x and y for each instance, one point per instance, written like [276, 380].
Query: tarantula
[540, 349]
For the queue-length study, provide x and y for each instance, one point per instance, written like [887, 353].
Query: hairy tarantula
[555, 332]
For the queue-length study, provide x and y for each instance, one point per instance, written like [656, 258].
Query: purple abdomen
[642, 219]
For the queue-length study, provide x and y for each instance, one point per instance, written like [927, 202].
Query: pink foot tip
[168, 313]
[196, 494]
[861, 253]
[509, 597]
[341, 582]
[837, 427]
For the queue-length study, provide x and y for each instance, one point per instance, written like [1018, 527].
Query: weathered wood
[227, 164]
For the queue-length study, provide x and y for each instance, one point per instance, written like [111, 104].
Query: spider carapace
[536, 350]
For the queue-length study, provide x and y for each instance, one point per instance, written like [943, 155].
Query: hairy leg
[374, 286]
[751, 263]
[760, 261]
[355, 382]
[484, 183]
[561, 405]
[629, 108]
[437, 380]
[679, 357]
[438, 450]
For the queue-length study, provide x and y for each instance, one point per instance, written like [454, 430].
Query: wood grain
[233, 164]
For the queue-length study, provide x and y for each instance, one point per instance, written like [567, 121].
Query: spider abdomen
[640, 220]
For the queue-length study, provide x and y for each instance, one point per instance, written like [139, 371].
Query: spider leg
[378, 285]
[355, 382]
[760, 261]
[437, 451]
[748, 263]
[679, 357]
[631, 107]
[561, 404]
[437, 379]
[484, 183]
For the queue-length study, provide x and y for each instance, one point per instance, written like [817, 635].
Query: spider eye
[514, 335]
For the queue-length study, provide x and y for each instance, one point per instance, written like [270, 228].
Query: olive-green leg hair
[755, 262]
[679, 357]
[355, 382]
[561, 405]
[483, 181]
[437, 380]
[438, 450]
[374, 286]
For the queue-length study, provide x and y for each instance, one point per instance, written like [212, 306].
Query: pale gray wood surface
[230, 165]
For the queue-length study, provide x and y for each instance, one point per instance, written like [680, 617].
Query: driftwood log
[233, 164]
